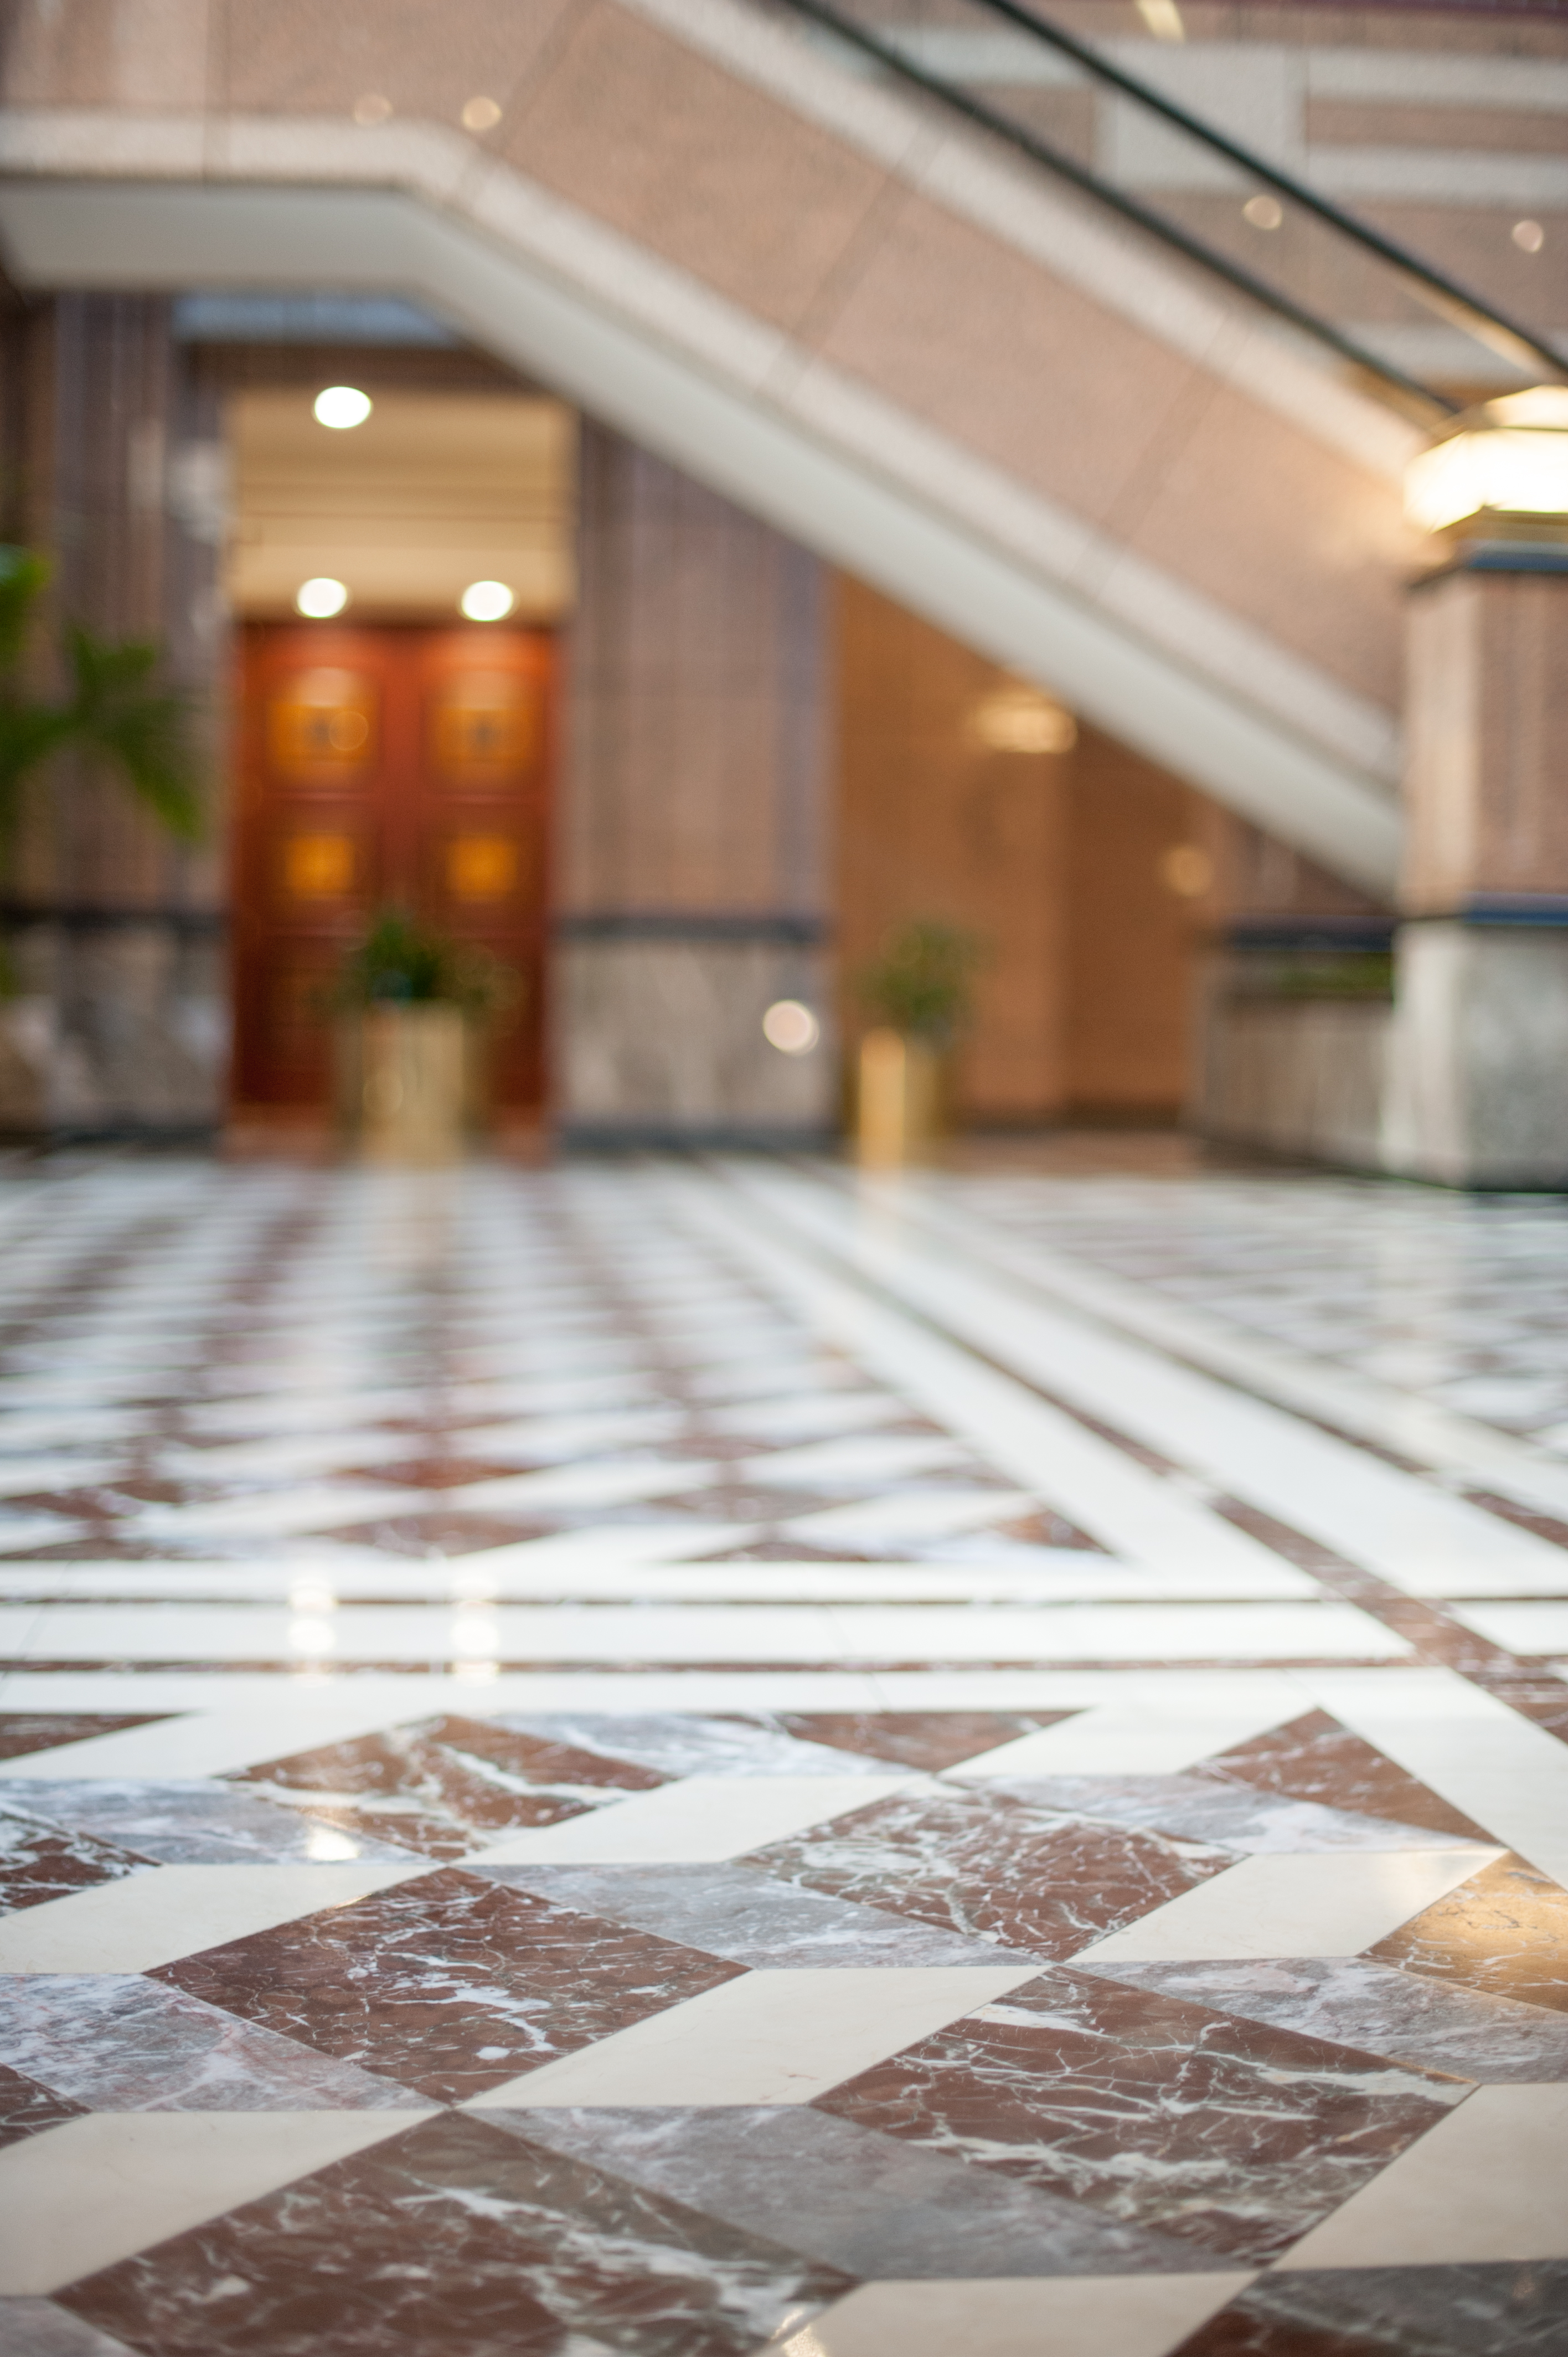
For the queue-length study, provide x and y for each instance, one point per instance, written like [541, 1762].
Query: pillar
[691, 852]
[116, 933]
[1478, 1091]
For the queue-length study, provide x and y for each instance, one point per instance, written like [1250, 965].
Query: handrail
[1442, 294]
[1493, 328]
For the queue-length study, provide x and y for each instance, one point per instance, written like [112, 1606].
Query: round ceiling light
[342, 405]
[791, 1027]
[321, 598]
[487, 601]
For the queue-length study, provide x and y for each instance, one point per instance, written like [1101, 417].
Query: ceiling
[432, 491]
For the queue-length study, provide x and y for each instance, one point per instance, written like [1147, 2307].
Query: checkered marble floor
[689, 1758]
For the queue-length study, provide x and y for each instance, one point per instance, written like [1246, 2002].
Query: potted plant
[108, 708]
[412, 1007]
[919, 994]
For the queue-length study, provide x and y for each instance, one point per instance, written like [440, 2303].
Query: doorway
[388, 766]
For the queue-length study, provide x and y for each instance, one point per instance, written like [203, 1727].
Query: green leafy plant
[110, 708]
[402, 962]
[922, 984]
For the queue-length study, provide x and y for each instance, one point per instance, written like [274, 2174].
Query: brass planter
[405, 1083]
[900, 1100]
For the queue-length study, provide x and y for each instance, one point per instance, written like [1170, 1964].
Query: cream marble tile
[1522, 1628]
[272, 1512]
[145, 1920]
[258, 1719]
[770, 2036]
[1370, 1511]
[1488, 2183]
[1499, 1768]
[846, 1463]
[1145, 1735]
[1031, 2316]
[1315, 1904]
[1129, 1509]
[81, 2195]
[724, 1630]
[699, 1818]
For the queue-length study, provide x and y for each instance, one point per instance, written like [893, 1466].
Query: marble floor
[675, 1760]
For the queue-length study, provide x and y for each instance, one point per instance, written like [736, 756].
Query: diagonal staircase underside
[864, 321]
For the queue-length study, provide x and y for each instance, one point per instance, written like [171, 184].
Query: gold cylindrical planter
[900, 1100]
[405, 1083]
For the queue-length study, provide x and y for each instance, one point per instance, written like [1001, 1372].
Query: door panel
[378, 768]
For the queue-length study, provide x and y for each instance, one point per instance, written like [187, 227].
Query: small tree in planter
[919, 996]
[413, 1006]
[108, 709]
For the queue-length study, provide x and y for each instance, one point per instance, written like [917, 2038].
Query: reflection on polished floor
[692, 1759]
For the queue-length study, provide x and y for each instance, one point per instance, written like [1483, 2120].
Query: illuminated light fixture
[1022, 720]
[1263, 212]
[321, 598]
[1529, 236]
[341, 407]
[372, 108]
[1507, 458]
[1187, 870]
[481, 114]
[791, 1027]
[487, 601]
[1163, 18]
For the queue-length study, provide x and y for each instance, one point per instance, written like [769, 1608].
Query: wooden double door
[380, 769]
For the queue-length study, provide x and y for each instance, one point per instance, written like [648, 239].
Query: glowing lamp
[321, 597]
[487, 601]
[341, 407]
[1506, 459]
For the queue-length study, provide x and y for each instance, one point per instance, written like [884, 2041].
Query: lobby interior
[655, 1737]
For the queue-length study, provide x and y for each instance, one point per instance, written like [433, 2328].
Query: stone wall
[691, 860]
[117, 1023]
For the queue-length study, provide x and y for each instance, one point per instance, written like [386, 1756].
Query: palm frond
[144, 731]
[21, 577]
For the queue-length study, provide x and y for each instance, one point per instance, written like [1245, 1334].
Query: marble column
[1478, 1090]
[692, 889]
[114, 933]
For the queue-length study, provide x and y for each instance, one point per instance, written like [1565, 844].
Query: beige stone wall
[690, 884]
[1060, 860]
[1486, 784]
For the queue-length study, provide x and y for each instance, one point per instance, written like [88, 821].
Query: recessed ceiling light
[342, 405]
[321, 597]
[372, 108]
[1263, 212]
[481, 114]
[487, 601]
[1528, 235]
[791, 1027]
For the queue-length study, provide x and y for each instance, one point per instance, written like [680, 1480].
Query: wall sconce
[1504, 464]
[1022, 720]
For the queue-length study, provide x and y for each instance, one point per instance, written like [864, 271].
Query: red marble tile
[26, 2107]
[22, 1731]
[993, 1868]
[1505, 1932]
[1316, 1758]
[930, 1739]
[1511, 2309]
[457, 2240]
[439, 1533]
[470, 1782]
[450, 1984]
[37, 1864]
[1230, 2134]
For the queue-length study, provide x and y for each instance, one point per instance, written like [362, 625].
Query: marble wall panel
[119, 1022]
[696, 163]
[1489, 718]
[691, 878]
